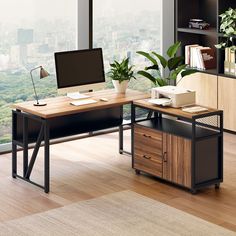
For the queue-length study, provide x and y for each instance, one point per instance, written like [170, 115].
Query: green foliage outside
[18, 88]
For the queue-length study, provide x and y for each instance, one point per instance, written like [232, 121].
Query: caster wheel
[193, 191]
[121, 152]
[217, 186]
[137, 172]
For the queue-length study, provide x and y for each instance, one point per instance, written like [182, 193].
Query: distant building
[129, 55]
[25, 36]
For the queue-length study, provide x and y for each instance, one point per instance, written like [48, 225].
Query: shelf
[176, 127]
[228, 76]
[223, 36]
[211, 31]
[210, 71]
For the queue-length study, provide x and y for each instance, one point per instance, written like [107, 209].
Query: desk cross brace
[28, 166]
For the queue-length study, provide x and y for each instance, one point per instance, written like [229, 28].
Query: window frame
[83, 41]
[85, 34]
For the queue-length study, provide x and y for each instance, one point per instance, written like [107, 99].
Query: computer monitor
[80, 70]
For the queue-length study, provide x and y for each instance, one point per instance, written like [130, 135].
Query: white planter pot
[120, 87]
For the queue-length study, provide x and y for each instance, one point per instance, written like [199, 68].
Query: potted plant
[227, 28]
[174, 66]
[121, 73]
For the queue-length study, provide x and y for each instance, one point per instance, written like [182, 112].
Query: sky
[13, 10]
[52, 9]
[110, 7]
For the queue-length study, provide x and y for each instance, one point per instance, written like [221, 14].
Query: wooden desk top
[60, 106]
[173, 111]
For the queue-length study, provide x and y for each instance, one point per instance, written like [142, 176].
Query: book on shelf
[200, 57]
[230, 62]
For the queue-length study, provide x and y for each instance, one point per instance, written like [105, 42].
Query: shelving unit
[208, 10]
[213, 86]
[181, 148]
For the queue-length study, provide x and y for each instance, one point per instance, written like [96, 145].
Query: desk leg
[121, 139]
[14, 147]
[46, 158]
[14, 160]
[25, 145]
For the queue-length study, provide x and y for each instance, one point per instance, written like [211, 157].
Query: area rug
[120, 214]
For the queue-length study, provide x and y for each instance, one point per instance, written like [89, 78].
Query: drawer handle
[165, 156]
[146, 157]
[147, 136]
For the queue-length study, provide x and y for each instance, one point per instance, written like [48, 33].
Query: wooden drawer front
[147, 163]
[148, 141]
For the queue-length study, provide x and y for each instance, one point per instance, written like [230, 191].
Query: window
[30, 32]
[123, 27]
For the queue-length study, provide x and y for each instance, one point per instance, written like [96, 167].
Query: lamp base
[40, 104]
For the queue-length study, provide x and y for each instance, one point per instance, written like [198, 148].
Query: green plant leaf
[154, 67]
[148, 76]
[188, 72]
[161, 82]
[148, 56]
[174, 74]
[173, 63]
[172, 51]
[162, 60]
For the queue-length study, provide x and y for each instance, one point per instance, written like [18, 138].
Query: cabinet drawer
[147, 163]
[148, 141]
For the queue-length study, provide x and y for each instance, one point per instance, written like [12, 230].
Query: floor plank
[92, 167]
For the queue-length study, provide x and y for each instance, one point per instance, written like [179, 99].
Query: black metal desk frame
[43, 139]
[195, 121]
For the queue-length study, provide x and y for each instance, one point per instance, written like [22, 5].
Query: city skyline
[119, 37]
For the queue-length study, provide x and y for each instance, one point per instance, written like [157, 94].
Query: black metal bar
[14, 160]
[46, 157]
[166, 113]
[121, 139]
[25, 145]
[213, 113]
[133, 119]
[121, 132]
[149, 116]
[14, 146]
[221, 139]
[35, 152]
[29, 181]
[30, 116]
[193, 155]
[126, 152]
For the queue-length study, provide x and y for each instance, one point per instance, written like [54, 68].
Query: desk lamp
[43, 74]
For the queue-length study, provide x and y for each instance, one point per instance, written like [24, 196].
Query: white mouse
[104, 99]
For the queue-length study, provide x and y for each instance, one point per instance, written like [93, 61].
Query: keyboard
[83, 102]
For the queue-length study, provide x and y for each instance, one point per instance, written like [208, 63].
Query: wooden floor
[92, 167]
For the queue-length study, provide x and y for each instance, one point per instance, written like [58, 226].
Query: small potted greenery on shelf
[121, 73]
[174, 65]
[227, 28]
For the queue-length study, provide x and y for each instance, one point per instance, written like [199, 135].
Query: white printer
[173, 96]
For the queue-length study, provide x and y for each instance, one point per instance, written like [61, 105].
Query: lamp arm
[36, 96]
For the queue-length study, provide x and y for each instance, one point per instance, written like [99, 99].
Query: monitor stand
[77, 95]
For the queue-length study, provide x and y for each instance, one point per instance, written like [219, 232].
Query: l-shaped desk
[181, 148]
[37, 125]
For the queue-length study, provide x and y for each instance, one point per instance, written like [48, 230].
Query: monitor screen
[78, 68]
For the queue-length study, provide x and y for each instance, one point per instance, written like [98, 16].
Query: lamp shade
[43, 73]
